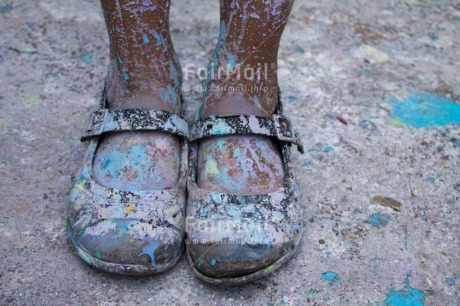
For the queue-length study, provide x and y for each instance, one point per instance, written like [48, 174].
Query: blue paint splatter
[292, 98]
[5, 9]
[299, 50]
[126, 77]
[161, 40]
[87, 58]
[330, 276]
[424, 110]
[308, 163]
[456, 143]
[213, 262]
[30, 24]
[403, 297]
[378, 220]
[328, 254]
[169, 95]
[430, 179]
[149, 250]
[231, 59]
[328, 149]
[145, 39]
[450, 281]
[283, 302]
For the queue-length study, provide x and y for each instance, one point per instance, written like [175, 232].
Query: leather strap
[276, 126]
[105, 120]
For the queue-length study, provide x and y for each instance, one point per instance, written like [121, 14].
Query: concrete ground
[373, 87]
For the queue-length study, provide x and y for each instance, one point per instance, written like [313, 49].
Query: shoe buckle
[286, 133]
[96, 123]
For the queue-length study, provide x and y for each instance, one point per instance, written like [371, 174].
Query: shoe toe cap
[128, 242]
[223, 256]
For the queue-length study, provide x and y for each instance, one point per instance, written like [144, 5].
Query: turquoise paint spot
[312, 150]
[431, 179]
[282, 302]
[330, 276]
[308, 163]
[5, 9]
[120, 60]
[220, 128]
[174, 75]
[147, 56]
[149, 250]
[160, 40]
[169, 95]
[450, 281]
[145, 39]
[378, 220]
[328, 149]
[456, 143]
[126, 77]
[87, 58]
[299, 50]
[292, 98]
[30, 24]
[407, 297]
[213, 262]
[434, 37]
[264, 35]
[424, 110]
[203, 214]
[231, 59]
[328, 254]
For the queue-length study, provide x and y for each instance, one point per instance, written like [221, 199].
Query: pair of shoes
[231, 239]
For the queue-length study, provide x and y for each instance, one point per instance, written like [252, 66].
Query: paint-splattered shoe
[234, 239]
[128, 232]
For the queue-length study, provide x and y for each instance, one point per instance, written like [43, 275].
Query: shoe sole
[124, 269]
[240, 280]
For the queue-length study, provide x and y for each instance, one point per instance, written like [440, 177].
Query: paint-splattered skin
[249, 38]
[143, 73]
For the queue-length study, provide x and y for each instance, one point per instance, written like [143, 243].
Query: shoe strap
[104, 120]
[276, 126]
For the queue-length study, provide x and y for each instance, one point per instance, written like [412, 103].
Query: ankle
[145, 88]
[221, 102]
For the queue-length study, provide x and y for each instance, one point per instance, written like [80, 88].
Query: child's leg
[143, 73]
[250, 34]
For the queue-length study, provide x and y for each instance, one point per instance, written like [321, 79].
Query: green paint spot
[211, 167]
[31, 101]
[64, 223]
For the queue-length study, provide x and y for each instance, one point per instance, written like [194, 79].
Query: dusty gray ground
[338, 58]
